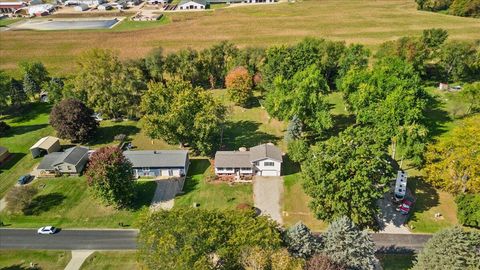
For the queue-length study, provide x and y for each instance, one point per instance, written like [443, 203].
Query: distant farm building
[81, 7]
[192, 4]
[11, 7]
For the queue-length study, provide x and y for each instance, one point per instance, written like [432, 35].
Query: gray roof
[71, 156]
[246, 158]
[201, 2]
[157, 158]
[265, 151]
[232, 159]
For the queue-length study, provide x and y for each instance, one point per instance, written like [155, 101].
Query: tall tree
[252, 58]
[17, 95]
[18, 198]
[347, 245]
[390, 97]
[410, 49]
[30, 86]
[54, 87]
[453, 163]
[179, 113]
[468, 209]
[303, 97]
[73, 120]
[217, 61]
[106, 84]
[155, 64]
[239, 85]
[4, 90]
[186, 66]
[433, 39]
[470, 95]
[202, 239]
[346, 175]
[355, 57]
[301, 242]
[457, 59]
[451, 248]
[109, 173]
[36, 72]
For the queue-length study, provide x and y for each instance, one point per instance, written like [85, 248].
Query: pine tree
[450, 249]
[30, 86]
[301, 242]
[17, 95]
[347, 245]
[294, 129]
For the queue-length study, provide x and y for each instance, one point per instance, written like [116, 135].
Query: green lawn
[111, 260]
[43, 259]
[69, 203]
[8, 21]
[211, 195]
[128, 25]
[396, 261]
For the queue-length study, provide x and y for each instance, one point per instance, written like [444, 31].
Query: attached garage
[270, 173]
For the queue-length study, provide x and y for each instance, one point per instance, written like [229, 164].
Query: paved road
[126, 240]
[68, 239]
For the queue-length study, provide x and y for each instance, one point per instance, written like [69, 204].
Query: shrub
[298, 150]
[322, 262]
[19, 198]
[466, 8]
[73, 120]
[469, 209]
[3, 127]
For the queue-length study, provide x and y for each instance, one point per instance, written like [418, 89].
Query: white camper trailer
[400, 186]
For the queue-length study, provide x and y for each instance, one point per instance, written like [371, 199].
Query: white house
[192, 4]
[81, 7]
[158, 163]
[263, 160]
[157, 2]
[90, 3]
[40, 10]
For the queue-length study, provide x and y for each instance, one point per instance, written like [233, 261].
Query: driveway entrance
[267, 192]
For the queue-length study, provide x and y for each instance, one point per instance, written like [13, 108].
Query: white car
[47, 230]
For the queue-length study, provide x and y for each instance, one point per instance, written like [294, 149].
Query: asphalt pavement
[126, 240]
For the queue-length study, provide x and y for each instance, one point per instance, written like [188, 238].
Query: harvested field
[368, 22]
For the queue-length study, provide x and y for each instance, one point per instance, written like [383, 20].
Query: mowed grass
[211, 195]
[111, 260]
[43, 259]
[368, 22]
[396, 261]
[67, 202]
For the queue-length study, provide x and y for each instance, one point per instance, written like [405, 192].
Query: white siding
[262, 167]
[191, 6]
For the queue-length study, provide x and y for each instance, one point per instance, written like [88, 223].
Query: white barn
[192, 5]
[262, 160]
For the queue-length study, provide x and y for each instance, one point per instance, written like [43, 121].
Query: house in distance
[158, 163]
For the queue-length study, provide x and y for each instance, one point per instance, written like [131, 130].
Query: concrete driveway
[165, 193]
[267, 192]
[390, 220]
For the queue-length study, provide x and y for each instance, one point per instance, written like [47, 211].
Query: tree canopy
[180, 113]
[203, 239]
[109, 173]
[73, 120]
[239, 85]
[346, 175]
[453, 163]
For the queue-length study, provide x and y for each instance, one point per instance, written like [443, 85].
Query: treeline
[464, 8]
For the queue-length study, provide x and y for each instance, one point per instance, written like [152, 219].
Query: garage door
[269, 173]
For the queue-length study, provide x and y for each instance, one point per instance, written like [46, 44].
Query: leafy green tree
[346, 175]
[106, 84]
[179, 113]
[301, 242]
[434, 38]
[298, 150]
[468, 212]
[109, 173]
[410, 49]
[30, 86]
[303, 97]
[345, 244]
[451, 248]
[355, 57]
[251, 58]
[17, 95]
[452, 163]
[73, 120]
[185, 65]
[202, 239]
[54, 87]
[216, 61]
[4, 127]
[457, 59]
[470, 95]
[155, 64]
[239, 85]
[465, 8]
[390, 97]
[4, 90]
[36, 72]
[433, 5]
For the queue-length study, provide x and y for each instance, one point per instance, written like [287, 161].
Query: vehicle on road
[24, 179]
[47, 230]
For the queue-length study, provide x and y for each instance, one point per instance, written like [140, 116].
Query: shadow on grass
[19, 267]
[43, 203]
[197, 169]
[340, 123]
[18, 130]
[426, 196]
[11, 161]
[27, 112]
[289, 166]
[437, 117]
[244, 134]
[145, 191]
[105, 135]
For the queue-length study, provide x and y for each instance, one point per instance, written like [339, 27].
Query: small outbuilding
[104, 7]
[192, 4]
[81, 7]
[45, 145]
[3, 154]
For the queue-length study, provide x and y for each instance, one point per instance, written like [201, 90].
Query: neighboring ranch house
[71, 161]
[158, 163]
[45, 145]
[192, 4]
[263, 160]
[3, 154]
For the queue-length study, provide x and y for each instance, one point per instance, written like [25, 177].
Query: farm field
[367, 22]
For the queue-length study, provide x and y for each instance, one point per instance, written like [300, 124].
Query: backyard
[367, 22]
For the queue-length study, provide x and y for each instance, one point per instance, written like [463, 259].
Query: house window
[229, 169]
[170, 172]
[69, 168]
[220, 169]
[268, 164]
[256, 163]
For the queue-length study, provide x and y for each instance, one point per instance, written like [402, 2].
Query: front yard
[43, 259]
[67, 202]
